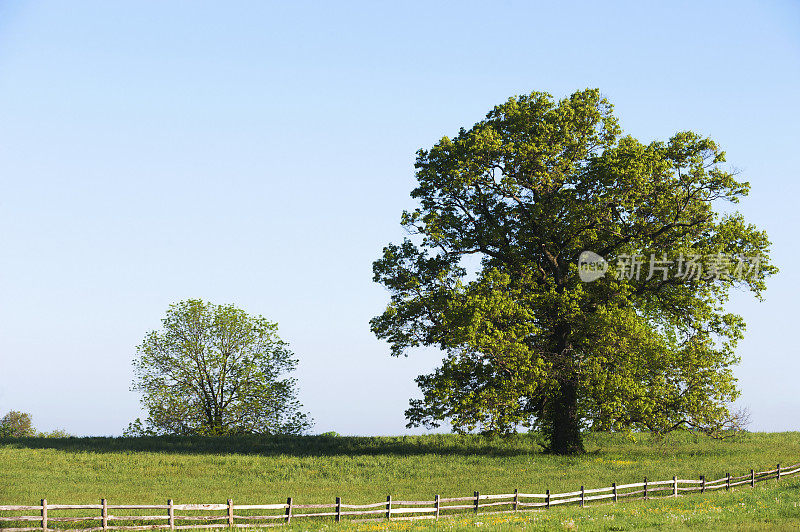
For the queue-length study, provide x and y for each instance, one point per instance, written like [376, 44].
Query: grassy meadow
[316, 469]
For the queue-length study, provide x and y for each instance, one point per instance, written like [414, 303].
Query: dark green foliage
[526, 191]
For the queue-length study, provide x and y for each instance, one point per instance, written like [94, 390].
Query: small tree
[16, 425]
[215, 370]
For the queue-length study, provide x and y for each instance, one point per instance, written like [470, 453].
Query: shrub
[16, 425]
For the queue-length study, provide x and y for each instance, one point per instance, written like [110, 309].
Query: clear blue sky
[261, 154]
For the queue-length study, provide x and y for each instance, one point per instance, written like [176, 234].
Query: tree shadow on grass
[465, 445]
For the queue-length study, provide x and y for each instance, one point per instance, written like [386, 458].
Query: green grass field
[316, 469]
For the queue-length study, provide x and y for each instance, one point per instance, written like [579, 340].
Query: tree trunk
[564, 420]
[565, 437]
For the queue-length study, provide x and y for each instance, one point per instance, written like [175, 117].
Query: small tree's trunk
[565, 437]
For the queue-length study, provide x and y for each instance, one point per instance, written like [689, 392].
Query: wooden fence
[390, 509]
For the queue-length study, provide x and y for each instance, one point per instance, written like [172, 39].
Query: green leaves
[16, 424]
[526, 190]
[214, 370]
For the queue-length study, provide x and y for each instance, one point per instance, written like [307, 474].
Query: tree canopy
[16, 425]
[215, 370]
[527, 342]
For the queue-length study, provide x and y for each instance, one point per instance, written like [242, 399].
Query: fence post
[171, 514]
[338, 509]
[104, 514]
[702, 483]
[436, 505]
[583, 496]
[288, 510]
[230, 512]
[547, 499]
[674, 486]
[388, 507]
[614, 490]
[44, 514]
[645, 488]
[727, 481]
[516, 500]
[477, 500]
[779, 472]
[752, 478]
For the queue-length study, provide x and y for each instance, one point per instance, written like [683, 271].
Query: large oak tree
[525, 191]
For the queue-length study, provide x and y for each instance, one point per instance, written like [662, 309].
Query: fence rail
[390, 509]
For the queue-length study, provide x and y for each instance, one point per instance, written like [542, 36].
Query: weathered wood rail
[391, 509]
